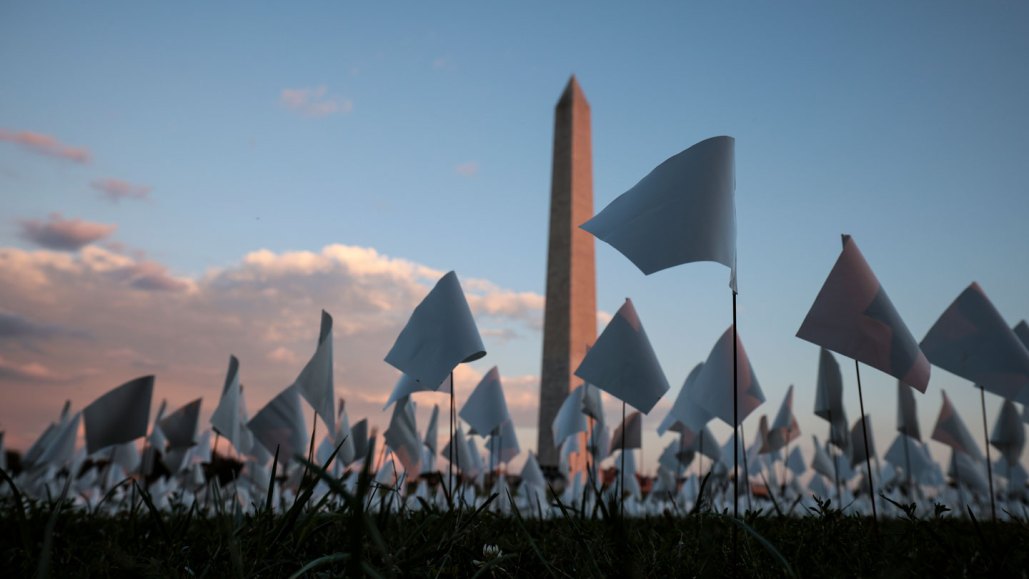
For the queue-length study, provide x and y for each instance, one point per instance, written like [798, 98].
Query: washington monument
[570, 316]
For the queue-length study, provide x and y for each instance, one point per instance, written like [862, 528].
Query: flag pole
[868, 450]
[835, 464]
[989, 465]
[746, 468]
[621, 471]
[907, 465]
[450, 463]
[735, 421]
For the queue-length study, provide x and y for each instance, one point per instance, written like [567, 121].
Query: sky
[182, 182]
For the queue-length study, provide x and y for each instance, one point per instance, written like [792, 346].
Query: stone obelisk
[570, 315]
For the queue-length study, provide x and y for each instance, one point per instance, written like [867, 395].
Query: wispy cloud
[314, 102]
[469, 169]
[45, 145]
[114, 190]
[17, 327]
[64, 234]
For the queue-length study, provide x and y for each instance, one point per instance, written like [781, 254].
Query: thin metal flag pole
[735, 421]
[621, 471]
[835, 463]
[989, 464]
[868, 452]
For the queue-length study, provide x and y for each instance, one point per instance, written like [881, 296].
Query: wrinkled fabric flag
[623, 364]
[854, 317]
[120, 415]
[714, 384]
[504, 442]
[972, 340]
[440, 335]
[683, 211]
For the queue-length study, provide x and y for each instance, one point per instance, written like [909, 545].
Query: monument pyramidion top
[572, 95]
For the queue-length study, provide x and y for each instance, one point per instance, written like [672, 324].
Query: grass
[431, 543]
[45, 538]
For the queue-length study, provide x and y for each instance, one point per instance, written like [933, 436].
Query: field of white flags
[301, 466]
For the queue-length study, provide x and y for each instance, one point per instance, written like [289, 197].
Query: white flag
[951, 430]
[119, 416]
[315, 382]
[1008, 433]
[683, 211]
[407, 386]
[486, 408]
[569, 419]
[632, 429]
[622, 363]
[715, 382]
[907, 412]
[280, 424]
[226, 419]
[440, 335]
[686, 412]
[180, 427]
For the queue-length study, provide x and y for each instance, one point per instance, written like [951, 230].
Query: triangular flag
[119, 416]
[685, 411]
[951, 430]
[180, 427]
[1008, 433]
[440, 335]
[829, 399]
[402, 437]
[632, 428]
[504, 442]
[907, 412]
[362, 440]
[1022, 331]
[622, 363]
[853, 316]
[226, 420]
[280, 424]
[592, 405]
[570, 418]
[315, 382]
[784, 428]
[795, 461]
[486, 408]
[820, 462]
[682, 211]
[858, 452]
[972, 340]
[714, 384]
[432, 432]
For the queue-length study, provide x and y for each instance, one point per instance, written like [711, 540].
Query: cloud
[114, 190]
[15, 327]
[264, 308]
[314, 102]
[469, 169]
[64, 234]
[45, 145]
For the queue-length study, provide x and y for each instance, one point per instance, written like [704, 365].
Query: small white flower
[489, 552]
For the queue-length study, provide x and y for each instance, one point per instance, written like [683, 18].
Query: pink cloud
[264, 309]
[469, 169]
[45, 145]
[64, 234]
[314, 102]
[114, 190]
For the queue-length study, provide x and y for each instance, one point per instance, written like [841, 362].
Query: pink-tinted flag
[119, 416]
[972, 340]
[1008, 434]
[683, 211]
[784, 428]
[853, 316]
[623, 364]
[440, 335]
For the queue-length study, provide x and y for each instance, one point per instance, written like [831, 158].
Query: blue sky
[424, 132]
